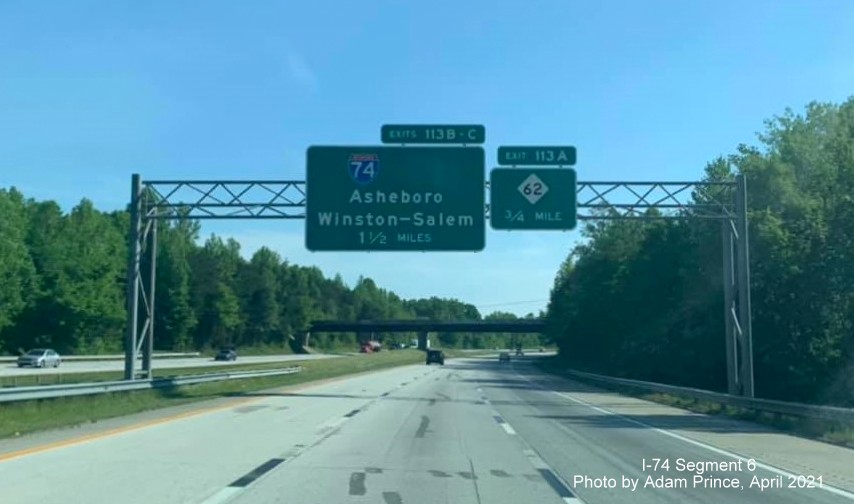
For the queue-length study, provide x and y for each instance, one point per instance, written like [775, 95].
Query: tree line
[644, 299]
[63, 285]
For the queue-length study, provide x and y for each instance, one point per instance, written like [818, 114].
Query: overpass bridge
[423, 327]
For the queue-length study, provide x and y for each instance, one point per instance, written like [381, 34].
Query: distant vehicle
[40, 357]
[436, 356]
[226, 354]
[504, 357]
[370, 347]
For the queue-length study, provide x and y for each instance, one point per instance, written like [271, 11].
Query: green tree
[644, 299]
[260, 293]
[18, 281]
[175, 318]
[215, 267]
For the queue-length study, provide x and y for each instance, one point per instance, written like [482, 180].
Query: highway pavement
[472, 431]
[11, 369]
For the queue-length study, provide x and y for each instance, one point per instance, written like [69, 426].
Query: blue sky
[91, 92]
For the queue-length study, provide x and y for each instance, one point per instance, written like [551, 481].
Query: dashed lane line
[837, 491]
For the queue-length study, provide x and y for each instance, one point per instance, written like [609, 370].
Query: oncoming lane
[11, 369]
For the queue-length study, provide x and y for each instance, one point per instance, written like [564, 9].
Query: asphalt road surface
[11, 369]
[472, 431]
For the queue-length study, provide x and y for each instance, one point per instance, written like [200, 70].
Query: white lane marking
[223, 495]
[331, 424]
[535, 459]
[540, 465]
[503, 423]
[837, 491]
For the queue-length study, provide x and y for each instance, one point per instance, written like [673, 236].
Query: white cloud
[300, 70]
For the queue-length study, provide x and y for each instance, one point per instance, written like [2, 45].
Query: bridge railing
[416, 325]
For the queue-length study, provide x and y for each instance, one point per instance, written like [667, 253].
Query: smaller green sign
[433, 134]
[532, 198]
[536, 156]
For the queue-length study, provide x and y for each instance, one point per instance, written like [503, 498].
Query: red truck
[370, 347]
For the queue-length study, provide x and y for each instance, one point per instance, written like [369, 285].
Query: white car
[40, 357]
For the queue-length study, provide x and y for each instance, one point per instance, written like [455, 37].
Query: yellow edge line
[118, 430]
[5, 457]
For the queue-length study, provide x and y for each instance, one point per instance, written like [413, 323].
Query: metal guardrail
[165, 355]
[90, 388]
[831, 413]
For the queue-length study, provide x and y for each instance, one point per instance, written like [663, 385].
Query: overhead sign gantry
[368, 198]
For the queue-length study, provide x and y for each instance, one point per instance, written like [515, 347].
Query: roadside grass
[30, 416]
[822, 430]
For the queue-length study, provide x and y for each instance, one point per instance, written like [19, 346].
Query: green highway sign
[532, 198]
[433, 133]
[536, 156]
[395, 199]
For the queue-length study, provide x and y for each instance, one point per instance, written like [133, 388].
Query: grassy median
[29, 416]
[812, 428]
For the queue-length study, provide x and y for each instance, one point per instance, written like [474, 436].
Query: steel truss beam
[655, 200]
[156, 200]
[226, 199]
